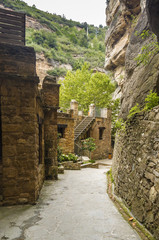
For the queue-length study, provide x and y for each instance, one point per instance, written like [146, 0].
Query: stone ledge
[71, 165]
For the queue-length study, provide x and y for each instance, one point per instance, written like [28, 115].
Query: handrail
[85, 126]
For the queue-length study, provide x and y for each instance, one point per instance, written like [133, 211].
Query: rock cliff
[135, 160]
[127, 20]
[42, 63]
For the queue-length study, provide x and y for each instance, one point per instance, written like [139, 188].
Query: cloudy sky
[90, 11]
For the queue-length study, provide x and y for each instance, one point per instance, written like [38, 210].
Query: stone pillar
[18, 90]
[91, 110]
[51, 104]
[74, 111]
[74, 107]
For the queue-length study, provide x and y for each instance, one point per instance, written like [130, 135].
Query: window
[101, 131]
[61, 130]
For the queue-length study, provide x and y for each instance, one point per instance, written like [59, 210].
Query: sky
[90, 11]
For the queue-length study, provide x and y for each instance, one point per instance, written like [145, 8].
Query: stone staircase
[83, 126]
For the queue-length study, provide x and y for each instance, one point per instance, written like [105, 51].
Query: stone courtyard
[76, 207]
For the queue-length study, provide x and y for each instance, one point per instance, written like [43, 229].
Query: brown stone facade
[101, 132]
[66, 132]
[23, 126]
[98, 128]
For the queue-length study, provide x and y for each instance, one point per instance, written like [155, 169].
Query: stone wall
[136, 168]
[103, 145]
[28, 120]
[50, 96]
[71, 165]
[67, 141]
[20, 166]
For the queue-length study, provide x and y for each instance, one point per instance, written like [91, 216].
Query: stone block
[60, 170]
[23, 200]
[152, 194]
[71, 165]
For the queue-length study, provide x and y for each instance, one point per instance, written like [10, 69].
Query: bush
[134, 110]
[72, 157]
[151, 100]
[57, 72]
[69, 157]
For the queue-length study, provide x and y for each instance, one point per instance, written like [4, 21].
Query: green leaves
[148, 50]
[151, 100]
[133, 111]
[89, 144]
[86, 88]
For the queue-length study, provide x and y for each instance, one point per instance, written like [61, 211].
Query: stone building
[28, 123]
[75, 127]
[66, 132]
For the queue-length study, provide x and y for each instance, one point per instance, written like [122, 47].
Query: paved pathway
[76, 207]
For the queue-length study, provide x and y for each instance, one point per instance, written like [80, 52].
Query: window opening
[61, 130]
[101, 131]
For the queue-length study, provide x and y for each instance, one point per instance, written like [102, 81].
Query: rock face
[126, 22]
[42, 63]
[135, 160]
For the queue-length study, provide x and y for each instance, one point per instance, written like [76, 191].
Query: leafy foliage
[86, 87]
[148, 50]
[69, 157]
[89, 144]
[57, 72]
[66, 41]
[133, 111]
[151, 100]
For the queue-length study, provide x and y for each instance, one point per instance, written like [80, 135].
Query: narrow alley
[76, 207]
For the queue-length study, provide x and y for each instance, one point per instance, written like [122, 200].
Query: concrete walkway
[76, 207]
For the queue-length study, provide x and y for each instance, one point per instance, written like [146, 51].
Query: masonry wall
[50, 95]
[136, 168]
[67, 142]
[21, 174]
[103, 146]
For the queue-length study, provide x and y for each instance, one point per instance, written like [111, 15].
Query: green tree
[86, 87]
[89, 144]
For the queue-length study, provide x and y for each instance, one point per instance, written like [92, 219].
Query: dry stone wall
[136, 168]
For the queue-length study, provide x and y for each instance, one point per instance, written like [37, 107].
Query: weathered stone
[23, 200]
[153, 194]
[156, 173]
[61, 170]
[22, 169]
[66, 141]
[71, 165]
[140, 191]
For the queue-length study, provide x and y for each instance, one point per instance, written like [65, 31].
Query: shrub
[57, 72]
[134, 110]
[72, 157]
[69, 157]
[151, 100]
